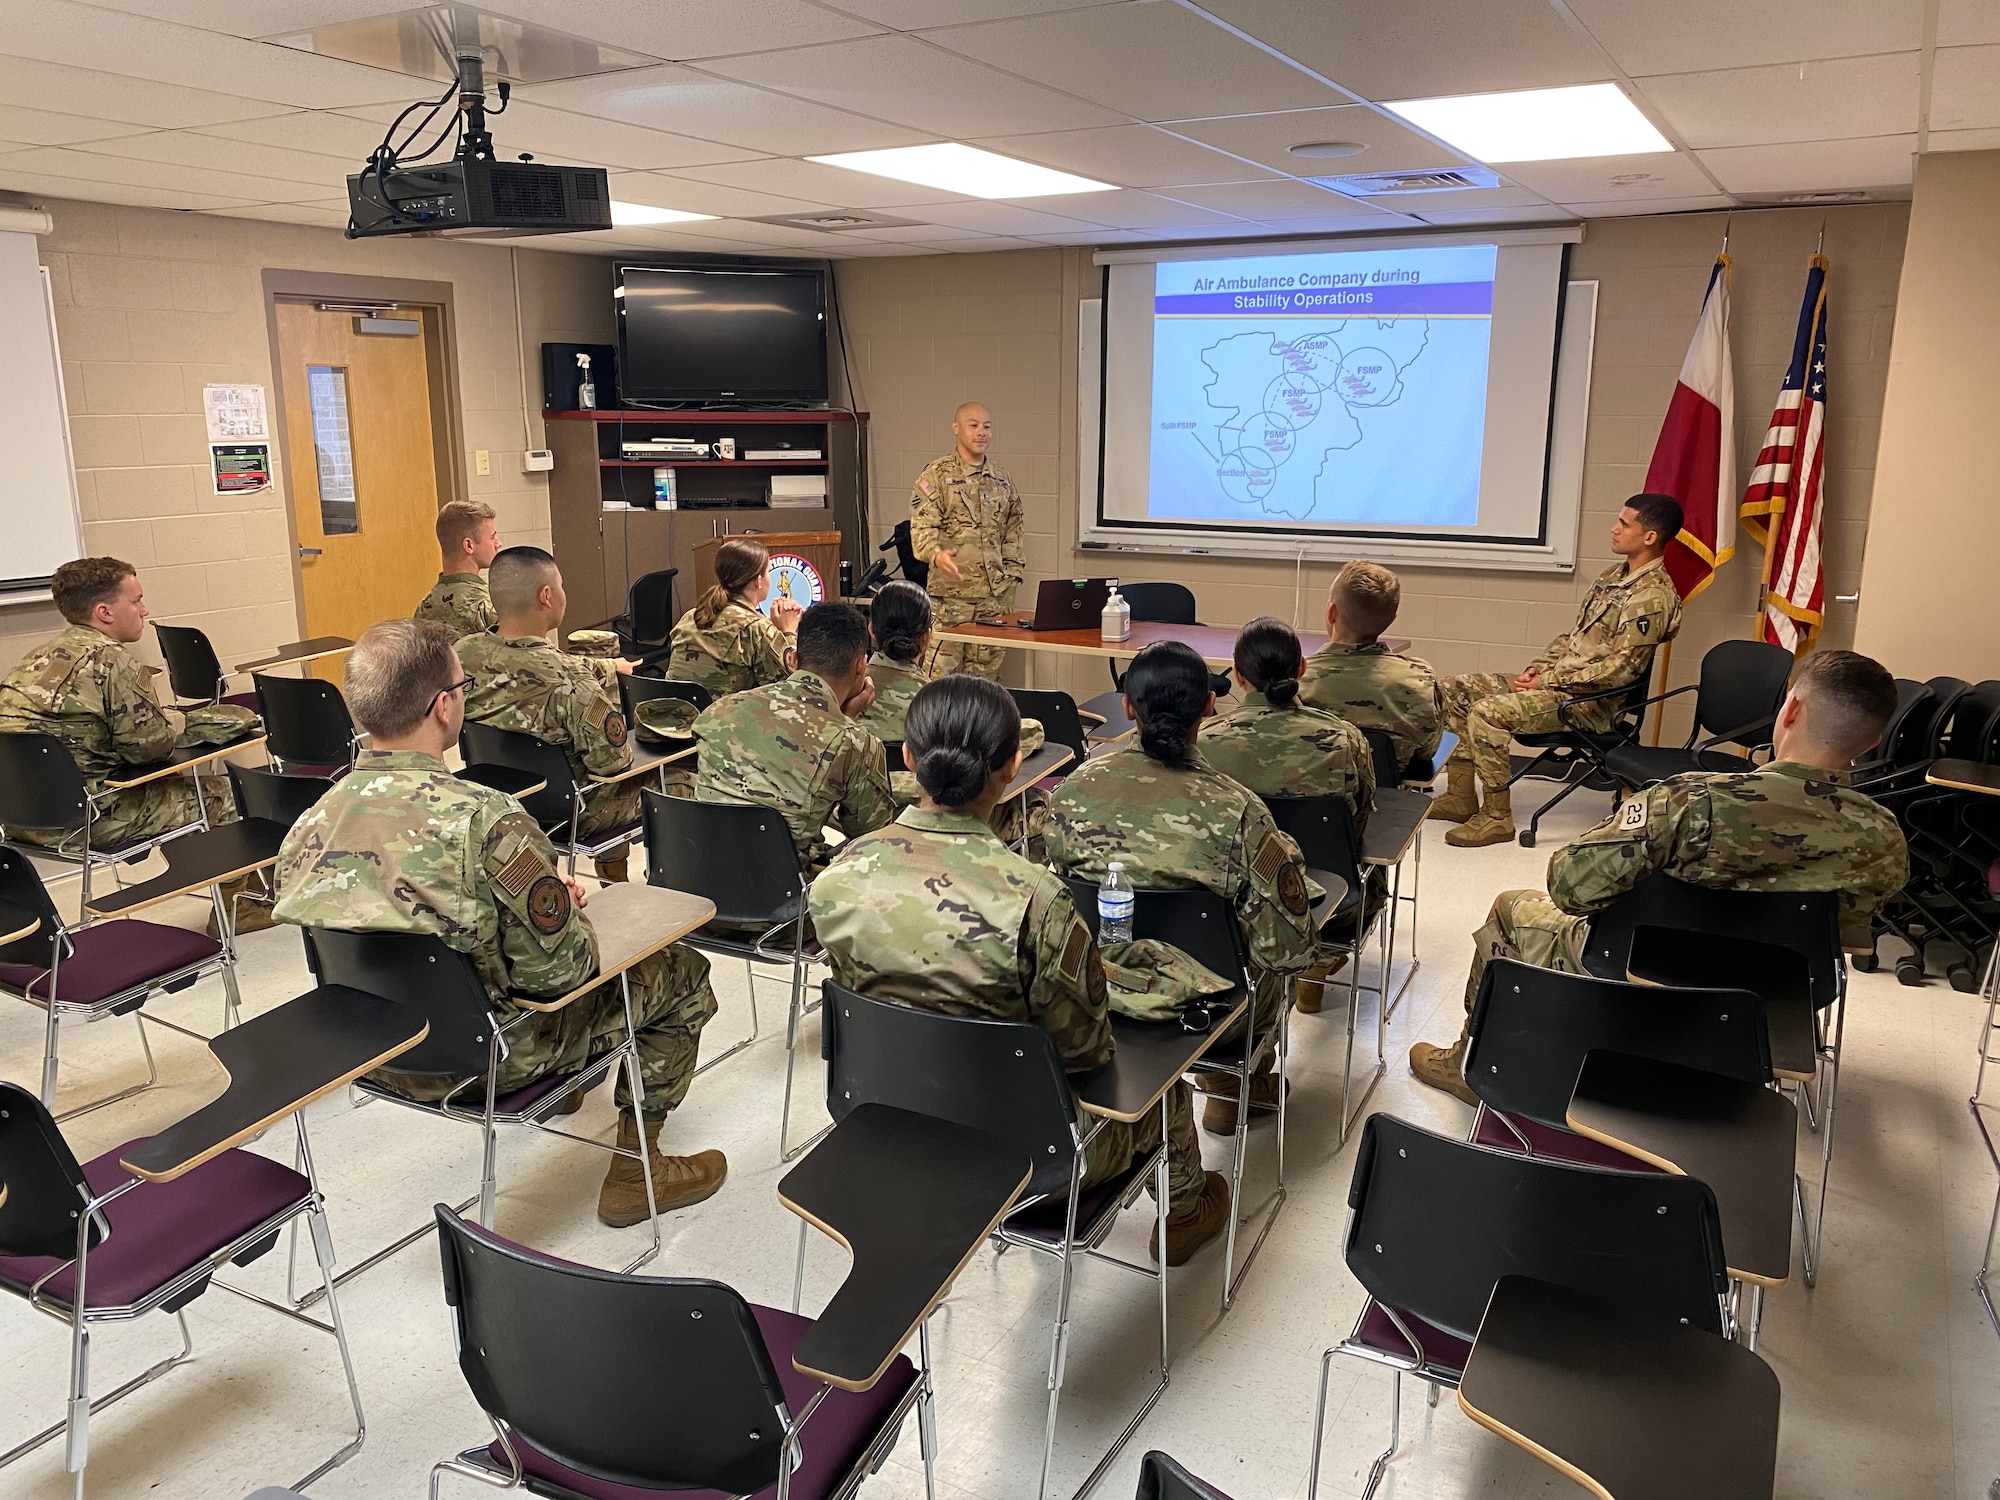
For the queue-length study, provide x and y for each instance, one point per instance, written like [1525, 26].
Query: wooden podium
[820, 548]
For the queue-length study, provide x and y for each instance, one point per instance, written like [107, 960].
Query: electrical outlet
[482, 461]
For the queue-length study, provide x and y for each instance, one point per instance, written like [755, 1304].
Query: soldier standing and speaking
[402, 845]
[1631, 610]
[520, 681]
[1794, 824]
[965, 521]
[467, 542]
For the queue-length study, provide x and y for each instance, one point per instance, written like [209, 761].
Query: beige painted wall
[152, 305]
[928, 333]
[1927, 594]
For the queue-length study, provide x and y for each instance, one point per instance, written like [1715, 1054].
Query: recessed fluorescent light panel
[964, 169]
[1595, 119]
[632, 215]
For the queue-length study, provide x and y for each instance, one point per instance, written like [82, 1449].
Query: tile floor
[1888, 1368]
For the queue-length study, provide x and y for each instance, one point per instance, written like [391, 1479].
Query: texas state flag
[1695, 458]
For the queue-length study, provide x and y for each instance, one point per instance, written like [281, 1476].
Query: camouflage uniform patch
[1373, 687]
[402, 845]
[934, 911]
[740, 651]
[460, 602]
[975, 509]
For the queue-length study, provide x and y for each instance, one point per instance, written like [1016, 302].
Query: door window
[333, 450]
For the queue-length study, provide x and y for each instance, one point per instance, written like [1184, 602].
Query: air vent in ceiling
[1380, 184]
[836, 220]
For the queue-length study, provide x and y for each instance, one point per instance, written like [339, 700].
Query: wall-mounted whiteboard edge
[1568, 421]
[45, 521]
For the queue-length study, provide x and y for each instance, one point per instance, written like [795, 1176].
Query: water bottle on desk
[1116, 621]
[1114, 906]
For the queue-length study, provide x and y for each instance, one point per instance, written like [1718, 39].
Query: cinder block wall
[927, 333]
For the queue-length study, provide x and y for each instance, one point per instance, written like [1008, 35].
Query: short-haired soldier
[468, 540]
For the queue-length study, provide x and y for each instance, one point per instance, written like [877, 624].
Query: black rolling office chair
[1575, 756]
[1435, 1223]
[310, 730]
[598, 1383]
[647, 626]
[1742, 687]
[742, 858]
[193, 671]
[1006, 1079]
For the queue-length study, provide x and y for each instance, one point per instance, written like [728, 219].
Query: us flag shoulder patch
[519, 873]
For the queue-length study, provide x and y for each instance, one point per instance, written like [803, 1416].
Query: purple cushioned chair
[108, 968]
[136, 1247]
[616, 1387]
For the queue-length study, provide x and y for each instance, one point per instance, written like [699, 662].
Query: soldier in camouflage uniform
[935, 911]
[84, 689]
[795, 747]
[1792, 825]
[724, 643]
[402, 845]
[1631, 609]
[966, 523]
[468, 540]
[1357, 677]
[520, 681]
[1155, 804]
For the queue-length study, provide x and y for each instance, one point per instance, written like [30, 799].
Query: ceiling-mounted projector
[469, 194]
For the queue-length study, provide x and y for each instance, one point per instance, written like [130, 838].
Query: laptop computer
[1068, 604]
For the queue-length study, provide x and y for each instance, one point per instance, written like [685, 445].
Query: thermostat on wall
[538, 460]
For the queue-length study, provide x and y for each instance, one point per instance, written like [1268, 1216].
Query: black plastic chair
[899, 542]
[1575, 755]
[1004, 1078]
[1533, 1028]
[659, 1384]
[742, 858]
[466, 1040]
[1435, 1223]
[193, 671]
[1160, 1478]
[1162, 604]
[1969, 732]
[274, 796]
[646, 628]
[1742, 687]
[135, 1247]
[1784, 946]
[309, 729]
[1382, 750]
[1205, 927]
[1906, 737]
[1060, 722]
[558, 807]
[109, 968]
[1323, 828]
[1945, 693]
[634, 690]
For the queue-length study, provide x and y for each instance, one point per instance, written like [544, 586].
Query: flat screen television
[735, 334]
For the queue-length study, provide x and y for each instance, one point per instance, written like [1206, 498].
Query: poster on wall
[235, 413]
[240, 468]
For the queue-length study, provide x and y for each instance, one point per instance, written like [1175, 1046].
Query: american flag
[1783, 506]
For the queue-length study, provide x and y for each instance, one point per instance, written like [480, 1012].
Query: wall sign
[793, 578]
[235, 413]
[240, 468]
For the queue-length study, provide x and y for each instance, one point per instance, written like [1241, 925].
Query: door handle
[311, 551]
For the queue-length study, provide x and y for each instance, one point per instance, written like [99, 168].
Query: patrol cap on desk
[593, 643]
[666, 721]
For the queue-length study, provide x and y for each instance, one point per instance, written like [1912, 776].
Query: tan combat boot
[1459, 801]
[1492, 824]
[678, 1181]
[614, 869]
[1309, 993]
[1218, 1110]
[250, 915]
[1188, 1232]
[1444, 1067]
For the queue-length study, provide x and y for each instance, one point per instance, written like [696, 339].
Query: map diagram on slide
[1288, 405]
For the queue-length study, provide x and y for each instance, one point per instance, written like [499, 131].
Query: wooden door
[362, 461]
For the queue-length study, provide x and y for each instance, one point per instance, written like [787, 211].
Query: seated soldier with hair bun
[934, 911]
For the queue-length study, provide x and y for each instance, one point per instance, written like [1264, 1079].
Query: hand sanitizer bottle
[1116, 622]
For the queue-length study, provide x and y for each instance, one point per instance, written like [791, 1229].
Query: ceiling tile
[1548, 213]
[1268, 200]
[206, 181]
[1602, 179]
[83, 36]
[958, 97]
[1968, 23]
[527, 126]
[315, 215]
[1627, 207]
[686, 102]
[912, 15]
[1965, 88]
[1135, 210]
[1151, 61]
[999, 218]
[906, 233]
[1266, 138]
[185, 149]
[41, 127]
[29, 84]
[1694, 36]
[1141, 156]
[1417, 48]
[252, 18]
[1963, 140]
[1361, 219]
[1834, 100]
[321, 131]
[1099, 237]
[1462, 198]
[1820, 166]
[16, 179]
[817, 183]
[693, 197]
[684, 29]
